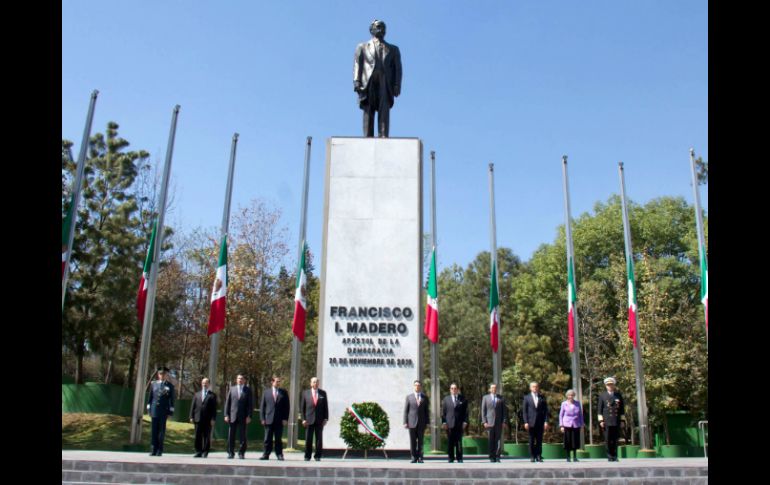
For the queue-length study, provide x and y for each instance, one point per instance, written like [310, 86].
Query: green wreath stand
[364, 441]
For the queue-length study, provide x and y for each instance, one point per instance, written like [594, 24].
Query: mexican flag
[431, 307]
[65, 234]
[300, 299]
[494, 309]
[141, 297]
[704, 284]
[631, 300]
[219, 292]
[571, 305]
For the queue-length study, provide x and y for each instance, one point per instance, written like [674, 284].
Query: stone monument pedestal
[370, 316]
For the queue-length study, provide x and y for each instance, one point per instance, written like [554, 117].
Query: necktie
[494, 401]
[417, 396]
[204, 394]
[315, 397]
[274, 395]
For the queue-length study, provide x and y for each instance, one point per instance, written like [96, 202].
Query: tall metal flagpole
[577, 383]
[214, 353]
[641, 398]
[144, 353]
[296, 345]
[434, 376]
[77, 184]
[496, 356]
[699, 223]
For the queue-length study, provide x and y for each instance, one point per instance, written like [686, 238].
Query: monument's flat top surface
[297, 460]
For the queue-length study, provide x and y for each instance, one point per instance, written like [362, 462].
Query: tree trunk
[132, 363]
[181, 365]
[79, 368]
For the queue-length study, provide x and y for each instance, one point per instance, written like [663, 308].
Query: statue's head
[377, 29]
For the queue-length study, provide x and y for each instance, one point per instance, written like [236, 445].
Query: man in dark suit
[535, 413]
[494, 414]
[454, 418]
[160, 404]
[416, 418]
[611, 408]
[314, 406]
[203, 413]
[274, 412]
[239, 407]
[377, 78]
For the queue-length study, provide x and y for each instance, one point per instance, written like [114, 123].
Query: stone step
[83, 477]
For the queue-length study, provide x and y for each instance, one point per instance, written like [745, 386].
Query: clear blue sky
[514, 83]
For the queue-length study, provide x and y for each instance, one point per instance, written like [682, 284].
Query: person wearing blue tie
[203, 413]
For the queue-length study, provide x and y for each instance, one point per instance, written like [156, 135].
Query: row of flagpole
[148, 285]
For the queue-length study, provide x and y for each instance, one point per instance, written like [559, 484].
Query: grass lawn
[108, 432]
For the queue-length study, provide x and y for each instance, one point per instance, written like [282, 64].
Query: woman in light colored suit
[571, 423]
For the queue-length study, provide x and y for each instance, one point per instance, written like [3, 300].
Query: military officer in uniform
[611, 408]
[160, 405]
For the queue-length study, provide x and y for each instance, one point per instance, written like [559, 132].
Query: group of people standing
[238, 410]
[494, 414]
[274, 415]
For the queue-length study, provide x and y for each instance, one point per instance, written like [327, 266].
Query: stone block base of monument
[117, 467]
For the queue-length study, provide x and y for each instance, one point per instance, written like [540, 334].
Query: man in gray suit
[377, 79]
[416, 418]
[493, 415]
[239, 407]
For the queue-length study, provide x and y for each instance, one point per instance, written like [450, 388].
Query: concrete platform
[97, 467]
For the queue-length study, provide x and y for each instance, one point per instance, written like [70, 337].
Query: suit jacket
[161, 399]
[203, 410]
[239, 409]
[364, 63]
[611, 408]
[494, 414]
[416, 416]
[272, 411]
[454, 414]
[535, 416]
[313, 413]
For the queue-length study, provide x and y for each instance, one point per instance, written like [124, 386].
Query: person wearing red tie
[274, 414]
[416, 418]
[315, 413]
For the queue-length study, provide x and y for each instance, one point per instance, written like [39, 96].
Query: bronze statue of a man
[377, 79]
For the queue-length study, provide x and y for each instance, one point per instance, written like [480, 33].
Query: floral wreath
[374, 421]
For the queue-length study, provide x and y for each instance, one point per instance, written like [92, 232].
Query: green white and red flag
[141, 297]
[300, 299]
[431, 306]
[632, 333]
[494, 309]
[366, 423]
[65, 234]
[571, 305]
[219, 292]
[704, 284]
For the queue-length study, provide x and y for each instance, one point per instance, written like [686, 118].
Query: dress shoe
[263, 457]
[569, 459]
[197, 455]
[460, 460]
[451, 461]
[160, 453]
[414, 460]
[575, 459]
[230, 456]
[280, 457]
[419, 460]
[492, 460]
[307, 459]
[540, 459]
[205, 454]
[532, 460]
[317, 458]
[241, 456]
[153, 453]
